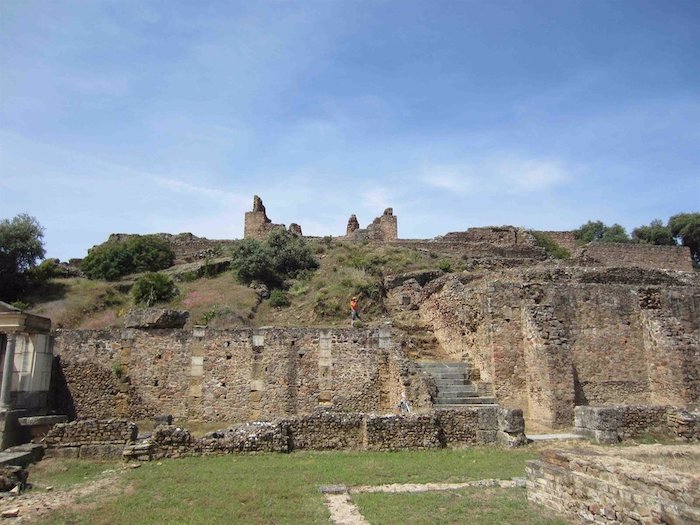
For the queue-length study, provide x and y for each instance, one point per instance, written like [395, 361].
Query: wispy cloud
[507, 174]
[186, 188]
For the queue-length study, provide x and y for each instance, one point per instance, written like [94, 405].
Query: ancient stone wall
[612, 424]
[642, 255]
[232, 375]
[552, 339]
[90, 438]
[605, 489]
[320, 431]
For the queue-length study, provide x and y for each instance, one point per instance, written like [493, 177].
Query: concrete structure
[25, 345]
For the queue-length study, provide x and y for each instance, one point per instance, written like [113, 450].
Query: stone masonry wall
[612, 424]
[552, 339]
[603, 489]
[233, 375]
[642, 255]
[320, 431]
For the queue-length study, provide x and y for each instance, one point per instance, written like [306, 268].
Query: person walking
[353, 311]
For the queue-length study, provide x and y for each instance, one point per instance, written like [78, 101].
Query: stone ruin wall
[640, 255]
[547, 347]
[231, 375]
[626, 485]
[323, 430]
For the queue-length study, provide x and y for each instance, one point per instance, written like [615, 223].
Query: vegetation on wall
[140, 253]
[551, 247]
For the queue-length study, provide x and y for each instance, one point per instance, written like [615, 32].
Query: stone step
[454, 398]
[437, 365]
[448, 388]
[471, 403]
[475, 400]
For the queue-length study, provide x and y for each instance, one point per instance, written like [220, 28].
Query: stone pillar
[7, 371]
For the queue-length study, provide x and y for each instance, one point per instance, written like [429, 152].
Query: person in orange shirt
[353, 311]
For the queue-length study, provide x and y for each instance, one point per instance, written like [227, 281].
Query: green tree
[654, 233]
[21, 245]
[598, 231]
[282, 255]
[153, 288]
[139, 253]
[686, 228]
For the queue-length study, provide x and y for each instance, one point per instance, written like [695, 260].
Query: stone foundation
[616, 423]
[321, 431]
[605, 489]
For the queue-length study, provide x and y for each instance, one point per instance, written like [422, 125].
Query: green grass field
[283, 489]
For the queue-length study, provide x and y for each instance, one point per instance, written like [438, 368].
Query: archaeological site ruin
[606, 341]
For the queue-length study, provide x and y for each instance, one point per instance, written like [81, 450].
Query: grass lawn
[482, 506]
[279, 488]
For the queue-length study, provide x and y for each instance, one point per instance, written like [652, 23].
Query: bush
[550, 246]
[278, 298]
[114, 259]
[445, 266]
[153, 288]
[281, 256]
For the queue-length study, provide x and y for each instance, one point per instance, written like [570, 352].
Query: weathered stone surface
[511, 420]
[549, 339]
[147, 318]
[237, 374]
[605, 488]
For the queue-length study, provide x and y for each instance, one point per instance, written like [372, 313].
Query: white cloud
[186, 188]
[509, 174]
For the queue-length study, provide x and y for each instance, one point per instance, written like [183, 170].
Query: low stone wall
[398, 432]
[90, 438]
[612, 424]
[321, 431]
[592, 487]
[642, 255]
[326, 430]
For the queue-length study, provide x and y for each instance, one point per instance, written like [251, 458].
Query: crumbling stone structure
[552, 339]
[232, 375]
[623, 486]
[613, 424]
[257, 225]
[382, 229]
[322, 430]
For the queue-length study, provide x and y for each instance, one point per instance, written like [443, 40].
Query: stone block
[488, 418]
[511, 420]
[101, 451]
[63, 452]
[148, 318]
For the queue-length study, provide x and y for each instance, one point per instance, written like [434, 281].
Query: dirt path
[35, 504]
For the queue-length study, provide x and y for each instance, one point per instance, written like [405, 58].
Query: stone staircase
[454, 385]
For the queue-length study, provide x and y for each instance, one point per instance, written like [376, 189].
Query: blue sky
[149, 116]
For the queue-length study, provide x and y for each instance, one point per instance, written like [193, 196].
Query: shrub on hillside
[114, 259]
[153, 288]
[278, 299]
[551, 247]
[282, 255]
